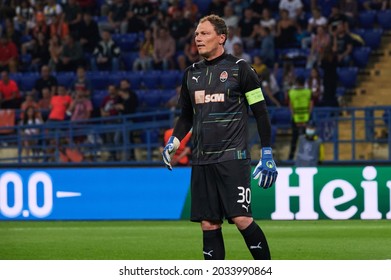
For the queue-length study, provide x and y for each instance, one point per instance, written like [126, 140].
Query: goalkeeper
[214, 100]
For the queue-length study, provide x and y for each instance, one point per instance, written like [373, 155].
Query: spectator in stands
[59, 104]
[40, 22]
[51, 11]
[335, 18]
[300, 104]
[239, 6]
[375, 5]
[319, 43]
[268, 82]
[181, 29]
[127, 104]
[135, 24]
[81, 82]
[88, 33]
[189, 56]
[108, 109]
[71, 55]
[190, 10]
[106, 54]
[286, 31]
[144, 9]
[59, 28]
[72, 16]
[55, 50]
[128, 100]
[229, 16]
[349, 8]
[246, 28]
[116, 18]
[288, 78]
[240, 53]
[44, 103]
[80, 108]
[267, 48]
[164, 49]
[9, 92]
[295, 8]
[329, 64]
[268, 21]
[216, 7]
[317, 19]
[39, 51]
[31, 118]
[13, 34]
[145, 58]
[45, 81]
[8, 55]
[29, 101]
[315, 83]
[161, 20]
[310, 150]
[232, 38]
[342, 45]
[172, 103]
[87, 6]
[24, 17]
[258, 6]
[326, 6]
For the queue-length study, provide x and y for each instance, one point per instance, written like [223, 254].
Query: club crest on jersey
[223, 76]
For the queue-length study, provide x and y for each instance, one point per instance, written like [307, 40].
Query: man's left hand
[266, 170]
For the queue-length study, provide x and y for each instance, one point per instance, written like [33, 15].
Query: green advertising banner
[336, 193]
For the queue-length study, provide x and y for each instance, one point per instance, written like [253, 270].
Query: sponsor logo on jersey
[223, 76]
[201, 98]
[195, 78]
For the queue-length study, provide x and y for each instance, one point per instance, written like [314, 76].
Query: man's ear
[223, 38]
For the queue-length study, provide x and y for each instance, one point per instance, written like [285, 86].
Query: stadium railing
[135, 139]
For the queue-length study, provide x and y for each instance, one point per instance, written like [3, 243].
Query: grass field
[181, 240]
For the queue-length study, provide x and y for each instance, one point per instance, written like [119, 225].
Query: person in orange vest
[182, 155]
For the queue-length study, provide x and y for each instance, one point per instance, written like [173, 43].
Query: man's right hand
[169, 150]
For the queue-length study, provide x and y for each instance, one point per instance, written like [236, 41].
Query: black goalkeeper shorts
[221, 190]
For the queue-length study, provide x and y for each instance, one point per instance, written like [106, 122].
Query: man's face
[207, 40]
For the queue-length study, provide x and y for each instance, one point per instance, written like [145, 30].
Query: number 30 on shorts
[244, 195]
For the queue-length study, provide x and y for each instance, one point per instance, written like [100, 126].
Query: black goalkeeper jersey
[219, 93]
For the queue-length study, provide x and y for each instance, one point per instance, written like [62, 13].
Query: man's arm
[263, 122]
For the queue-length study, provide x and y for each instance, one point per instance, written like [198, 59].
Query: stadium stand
[155, 87]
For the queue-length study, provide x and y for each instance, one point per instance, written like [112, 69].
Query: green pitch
[172, 240]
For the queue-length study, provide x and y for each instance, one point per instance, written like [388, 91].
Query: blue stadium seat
[372, 38]
[340, 91]
[166, 95]
[127, 42]
[151, 79]
[366, 19]
[27, 81]
[170, 79]
[99, 80]
[347, 76]
[65, 78]
[281, 117]
[128, 59]
[97, 98]
[361, 56]
[134, 78]
[152, 99]
[384, 19]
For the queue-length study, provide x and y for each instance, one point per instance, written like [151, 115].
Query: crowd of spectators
[49, 36]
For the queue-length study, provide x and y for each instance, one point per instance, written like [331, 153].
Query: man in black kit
[215, 96]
